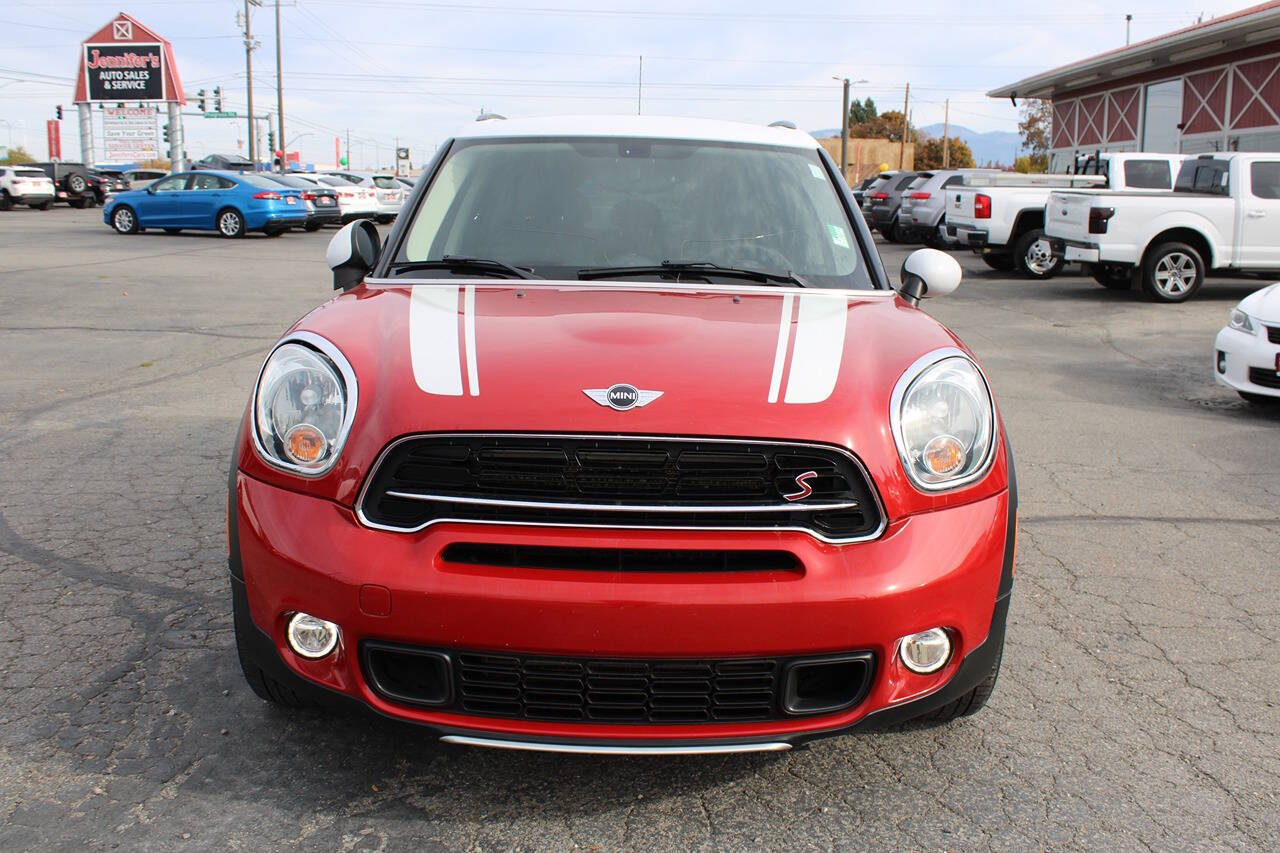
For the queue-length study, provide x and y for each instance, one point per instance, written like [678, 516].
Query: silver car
[922, 214]
[390, 193]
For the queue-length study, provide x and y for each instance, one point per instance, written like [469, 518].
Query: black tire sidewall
[217, 223]
[133, 213]
[1153, 258]
[1020, 249]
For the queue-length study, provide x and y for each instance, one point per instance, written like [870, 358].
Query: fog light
[925, 652]
[1222, 362]
[311, 637]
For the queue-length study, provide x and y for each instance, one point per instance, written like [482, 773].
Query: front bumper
[1241, 354]
[950, 568]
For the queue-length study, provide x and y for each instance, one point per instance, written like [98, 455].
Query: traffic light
[204, 104]
[58, 111]
[217, 98]
[271, 139]
[166, 131]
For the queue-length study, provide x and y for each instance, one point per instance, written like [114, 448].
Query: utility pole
[1128, 19]
[280, 93]
[902, 146]
[348, 148]
[844, 132]
[249, 45]
[946, 134]
[640, 85]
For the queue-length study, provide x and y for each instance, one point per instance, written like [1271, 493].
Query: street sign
[129, 134]
[220, 114]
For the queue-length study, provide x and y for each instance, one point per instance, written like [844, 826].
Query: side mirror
[151, 189]
[928, 272]
[352, 253]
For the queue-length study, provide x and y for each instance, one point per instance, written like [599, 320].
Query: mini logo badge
[622, 396]
[802, 483]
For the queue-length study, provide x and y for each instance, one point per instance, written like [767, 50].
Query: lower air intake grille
[1264, 377]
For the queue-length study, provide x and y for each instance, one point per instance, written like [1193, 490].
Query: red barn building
[1213, 86]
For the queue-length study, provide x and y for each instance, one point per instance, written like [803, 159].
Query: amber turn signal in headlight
[305, 444]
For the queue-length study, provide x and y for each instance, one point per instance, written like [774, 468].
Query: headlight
[304, 405]
[943, 421]
[1240, 321]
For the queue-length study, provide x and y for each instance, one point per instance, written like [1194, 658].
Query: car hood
[776, 363]
[1263, 304]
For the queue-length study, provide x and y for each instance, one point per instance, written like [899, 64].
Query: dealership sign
[133, 72]
[125, 62]
[129, 134]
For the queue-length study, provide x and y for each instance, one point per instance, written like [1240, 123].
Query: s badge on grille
[622, 397]
[802, 483]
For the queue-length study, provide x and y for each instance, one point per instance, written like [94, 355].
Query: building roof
[648, 127]
[1221, 35]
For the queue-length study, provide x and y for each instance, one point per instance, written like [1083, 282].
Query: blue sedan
[230, 203]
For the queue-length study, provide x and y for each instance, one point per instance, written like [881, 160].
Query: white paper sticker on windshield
[838, 236]
[817, 173]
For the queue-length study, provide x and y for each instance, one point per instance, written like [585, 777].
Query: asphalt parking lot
[1137, 707]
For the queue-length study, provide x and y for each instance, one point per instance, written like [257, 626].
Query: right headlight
[943, 421]
[1240, 321]
[304, 405]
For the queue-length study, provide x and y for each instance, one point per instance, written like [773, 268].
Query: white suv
[24, 185]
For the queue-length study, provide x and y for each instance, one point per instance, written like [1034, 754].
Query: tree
[929, 154]
[884, 126]
[18, 156]
[861, 112]
[1035, 127]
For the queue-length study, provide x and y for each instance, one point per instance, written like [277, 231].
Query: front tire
[262, 684]
[44, 205]
[890, 233]
[6, 203]
[1172, 272]
[124, 220]
[230, 223]
[1033, 257]
[971, 702]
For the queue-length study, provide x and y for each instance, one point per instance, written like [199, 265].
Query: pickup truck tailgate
[1067, 216]
[960, 205]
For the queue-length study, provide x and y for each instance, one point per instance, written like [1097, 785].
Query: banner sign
[53, 129]
[125, 72]
[129, 134]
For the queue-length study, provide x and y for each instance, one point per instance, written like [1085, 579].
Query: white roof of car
[646, 127]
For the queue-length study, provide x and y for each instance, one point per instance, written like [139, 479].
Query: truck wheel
[1172, 272]
[78, 203]
[1113, 276]
[969, 703]
[1001, 262]
[76, 184]
[1033, 258]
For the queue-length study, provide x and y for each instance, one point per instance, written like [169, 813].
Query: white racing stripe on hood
[780, 354]
[433, 340]
[819, 347]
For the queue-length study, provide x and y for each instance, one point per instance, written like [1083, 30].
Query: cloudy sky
[414, 71]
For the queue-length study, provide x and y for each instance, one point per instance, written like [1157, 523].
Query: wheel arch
[1025, 221]
[1193, 237]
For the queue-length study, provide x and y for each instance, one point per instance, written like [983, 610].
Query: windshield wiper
[702, 269]
[456, 262]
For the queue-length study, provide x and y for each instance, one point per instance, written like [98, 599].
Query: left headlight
[303, 406]
[943, 421]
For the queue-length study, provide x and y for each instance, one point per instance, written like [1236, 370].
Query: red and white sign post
[53, 129]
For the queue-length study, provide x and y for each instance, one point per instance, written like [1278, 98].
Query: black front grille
[1265, 377]
[619, 559]
[1273, 334]
[620, 482]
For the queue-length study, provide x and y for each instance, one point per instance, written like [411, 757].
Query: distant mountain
[997, 146]
[825, 134]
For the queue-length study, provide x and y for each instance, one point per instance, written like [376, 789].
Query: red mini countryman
[624, 442]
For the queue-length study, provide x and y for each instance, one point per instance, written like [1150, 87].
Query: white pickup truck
[1223, 214]
[1005, 221]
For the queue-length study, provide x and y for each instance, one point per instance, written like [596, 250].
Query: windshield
[562, 206]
